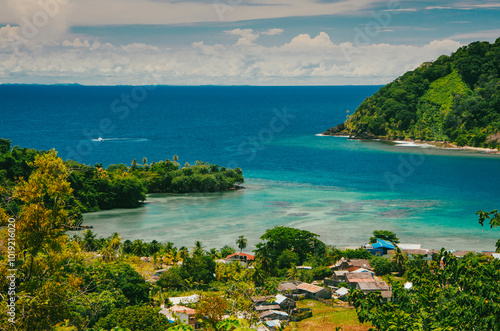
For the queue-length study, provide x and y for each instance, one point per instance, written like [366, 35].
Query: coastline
[421, 144]
[443, 145]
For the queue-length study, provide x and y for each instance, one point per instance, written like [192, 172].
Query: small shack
[381, 247]
[314, 292]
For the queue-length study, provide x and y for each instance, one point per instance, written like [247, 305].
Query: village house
[361, 277]
[184, 300]
[314, 292]
[263, 308]
[376, 286]
[289, 287]
[274, 315]
[344, 264]
[243, 258]
[284, 302]
[184, 314]
[263, 300]
[380, 248]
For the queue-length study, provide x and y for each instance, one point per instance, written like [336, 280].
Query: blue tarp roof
[383, 244]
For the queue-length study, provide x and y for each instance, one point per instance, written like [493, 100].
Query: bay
[340, 189]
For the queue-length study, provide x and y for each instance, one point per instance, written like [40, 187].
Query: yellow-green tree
[44, 288]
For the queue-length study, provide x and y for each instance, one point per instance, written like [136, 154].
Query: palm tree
[214, 253]
[258, 276]
[241, 242]
[138, 247]
[116, 242]
[134, 164]
[198, 248]
[154, 247]
[264, 260]
[107, 253]
[183, 253]
[400, 258]
[145, 161]
[88, 240]
[175, 158]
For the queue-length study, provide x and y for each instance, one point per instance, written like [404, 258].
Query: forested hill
[455, 98]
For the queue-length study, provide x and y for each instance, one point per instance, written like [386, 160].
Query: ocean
[332, 186]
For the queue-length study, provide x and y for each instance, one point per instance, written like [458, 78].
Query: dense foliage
[448, 294]
[455, 98]
[119, 186]
[284, 246]
[135, 318]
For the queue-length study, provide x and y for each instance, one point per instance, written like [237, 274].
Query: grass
[326, 317]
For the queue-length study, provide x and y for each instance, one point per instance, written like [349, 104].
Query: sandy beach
[443, 145]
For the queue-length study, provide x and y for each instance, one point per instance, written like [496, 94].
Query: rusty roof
[310, 288]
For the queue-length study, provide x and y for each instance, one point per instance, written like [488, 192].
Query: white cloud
[304, 41]
[302, 61]
[247, 36]
[437, 7]
[273, 32]
[478, 35]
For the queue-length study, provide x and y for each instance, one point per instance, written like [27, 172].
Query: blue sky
[232, 42]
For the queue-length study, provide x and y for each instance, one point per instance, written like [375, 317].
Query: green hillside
[455, 99]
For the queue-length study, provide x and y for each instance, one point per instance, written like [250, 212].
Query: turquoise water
[344, 214]
[340, 189]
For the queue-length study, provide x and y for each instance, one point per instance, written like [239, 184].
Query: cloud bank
[304, 60]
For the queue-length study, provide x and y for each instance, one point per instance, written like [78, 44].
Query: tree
[198, 248]
[287, 259]
[118, 276]
[384, 235]
[44, 199]
[381, 266]
[226, 250]
[493, 218]
[210, 310]
[198, 270]
[449, 293]
[173, 278]
[88, 241]
[139, 247]
[135, 318]
[44, 291]
[400, 259]
[281, 238]
[241, 242]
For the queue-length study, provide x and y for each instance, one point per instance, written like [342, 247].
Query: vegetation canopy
[455, 99]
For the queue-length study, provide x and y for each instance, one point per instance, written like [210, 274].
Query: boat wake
[100, 139]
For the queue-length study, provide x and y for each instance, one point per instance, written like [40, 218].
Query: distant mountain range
[454, 99]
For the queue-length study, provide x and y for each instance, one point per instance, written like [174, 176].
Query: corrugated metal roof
[359, 277]
[267, 307]
[287, 287]
[310, 287]
[383, 244]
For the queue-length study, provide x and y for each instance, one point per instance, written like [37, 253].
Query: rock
[338, 130]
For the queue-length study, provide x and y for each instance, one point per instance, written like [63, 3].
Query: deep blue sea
[340, 189]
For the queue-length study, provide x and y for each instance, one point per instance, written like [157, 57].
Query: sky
[233, 42]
